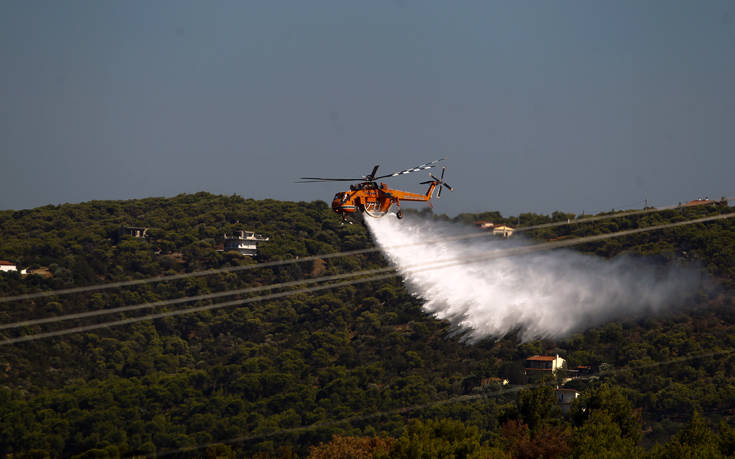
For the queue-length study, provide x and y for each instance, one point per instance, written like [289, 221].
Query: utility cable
[408, 409]
[232, 269]
[325, 424]
[496, 253]
[208, 272]
[421, 267]
[187, 299]
[209, 307]
[594, 218]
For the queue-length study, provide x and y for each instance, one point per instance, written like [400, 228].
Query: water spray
[547, 294]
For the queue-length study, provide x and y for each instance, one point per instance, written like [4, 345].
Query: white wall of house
[558, 364]
[565, 397]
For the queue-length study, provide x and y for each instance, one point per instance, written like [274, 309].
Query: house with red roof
[7, 266]
[700, 202]
[545, 364]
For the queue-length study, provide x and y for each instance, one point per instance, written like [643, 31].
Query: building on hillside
[545, 364]
[244, 242]
[135, 231]
[482, 224]
[42, 271]
[565, 397]
[723, 202]
[502, 230]
[700, 202]
[7, 267]
[493, 380]
[497, 230]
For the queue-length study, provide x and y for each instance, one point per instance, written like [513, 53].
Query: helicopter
[376, 199]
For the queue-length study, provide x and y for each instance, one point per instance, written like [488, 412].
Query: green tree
[611, 400]
[600, 436]
[695, 440]
[536, 405]
[440, 438]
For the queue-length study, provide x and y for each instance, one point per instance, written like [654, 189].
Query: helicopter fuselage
[369, 197]
[373, 199]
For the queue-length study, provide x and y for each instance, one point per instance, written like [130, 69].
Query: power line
[666, 362]
[438, 264]
[325, 424]
[605, 217]
[208, 272]
[186, 299]
[232, 269]
[408, 409]
[161, 315]
[419, 267]
[592, 219]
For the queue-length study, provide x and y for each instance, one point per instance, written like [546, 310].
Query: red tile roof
[699, 202]
[7, 263]
[542, 357]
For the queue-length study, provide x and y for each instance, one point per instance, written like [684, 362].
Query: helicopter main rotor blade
[371, 177]
[420, 167]
[322, 179]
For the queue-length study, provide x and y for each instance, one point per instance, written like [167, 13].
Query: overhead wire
[594, 218]
[440, 264]
[506, 252]
[186, 299]
[209, 307]
[326, 424]
[421, 406]
[150, 305]
[275, 263]
[171, 277]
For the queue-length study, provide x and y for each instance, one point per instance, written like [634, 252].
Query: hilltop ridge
[266, 369]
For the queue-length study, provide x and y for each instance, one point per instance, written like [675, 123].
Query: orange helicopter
[375, 199]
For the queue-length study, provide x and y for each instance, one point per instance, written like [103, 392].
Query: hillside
[274, 377]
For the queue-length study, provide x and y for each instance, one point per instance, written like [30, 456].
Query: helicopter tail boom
[406, 196]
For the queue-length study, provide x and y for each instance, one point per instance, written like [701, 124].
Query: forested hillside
[358, 369]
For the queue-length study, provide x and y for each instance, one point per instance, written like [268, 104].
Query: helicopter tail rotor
[439, 181]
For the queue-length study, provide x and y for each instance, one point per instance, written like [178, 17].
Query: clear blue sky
[539, 106]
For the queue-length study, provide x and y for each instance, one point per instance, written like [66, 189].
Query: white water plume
[544, 294]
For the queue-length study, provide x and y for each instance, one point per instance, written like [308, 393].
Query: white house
[136, 231]
[503, 230]
[245, 242]
[545, 364]
[6, 267]
[565, 397]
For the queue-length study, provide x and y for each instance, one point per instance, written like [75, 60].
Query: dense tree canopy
[359, 368]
